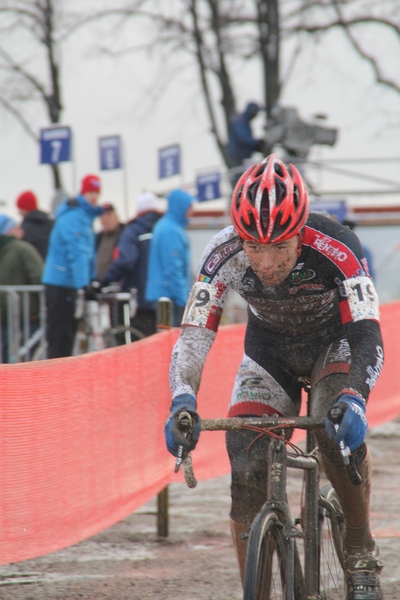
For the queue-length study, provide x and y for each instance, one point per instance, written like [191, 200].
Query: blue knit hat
[6, 223]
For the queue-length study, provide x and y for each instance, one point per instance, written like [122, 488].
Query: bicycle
[100, 324]
[277, 567]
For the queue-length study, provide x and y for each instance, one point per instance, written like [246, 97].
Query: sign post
[169, 161]
[110, 152]
[208, 187]
[56, 146]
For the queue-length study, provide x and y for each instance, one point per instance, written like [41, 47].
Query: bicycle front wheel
[266, 561]
[332, 527]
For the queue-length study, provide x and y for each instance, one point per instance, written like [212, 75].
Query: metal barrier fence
[23, 338]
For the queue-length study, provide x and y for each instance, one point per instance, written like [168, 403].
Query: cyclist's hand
[174, 437]
[353, 425]
[92, 290]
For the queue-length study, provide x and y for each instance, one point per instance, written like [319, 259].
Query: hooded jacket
[130, 266]
[71, 257]
[169, 261]
[242, 143]
[37, 226]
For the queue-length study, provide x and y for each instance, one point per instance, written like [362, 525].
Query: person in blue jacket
[242, 144]
[129, 269]
[70, 265]
[169, 261]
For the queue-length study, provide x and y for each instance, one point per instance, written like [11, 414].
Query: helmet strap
[300, 242]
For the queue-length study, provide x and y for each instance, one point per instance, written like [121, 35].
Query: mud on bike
[289, 558]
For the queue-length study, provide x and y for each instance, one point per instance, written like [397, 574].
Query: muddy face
[272, 263]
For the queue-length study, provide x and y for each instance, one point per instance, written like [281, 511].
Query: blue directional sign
[169, 161]
[208, 187]
[110, 152]
[55, 145]
[337, 209]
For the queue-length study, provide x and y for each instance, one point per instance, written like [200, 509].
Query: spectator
[242, 144]
[70, 265]
[130, 266]
[107, 240]
[169, 261]
[20, 264]
[36, 224]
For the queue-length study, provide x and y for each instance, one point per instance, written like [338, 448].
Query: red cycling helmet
[270, 202]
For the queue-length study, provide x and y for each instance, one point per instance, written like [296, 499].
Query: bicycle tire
[266, 573]
[332, 582]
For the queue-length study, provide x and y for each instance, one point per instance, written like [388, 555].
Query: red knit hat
[27, 201]
[91, 183]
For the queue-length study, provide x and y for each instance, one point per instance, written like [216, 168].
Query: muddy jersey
[329, 294]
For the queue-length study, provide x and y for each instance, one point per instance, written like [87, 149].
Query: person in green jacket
[20, 264]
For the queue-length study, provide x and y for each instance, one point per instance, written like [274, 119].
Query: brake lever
[336, 416]
[186, 427]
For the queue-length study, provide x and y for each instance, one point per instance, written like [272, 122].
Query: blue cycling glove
[173, 435]
[353, 426]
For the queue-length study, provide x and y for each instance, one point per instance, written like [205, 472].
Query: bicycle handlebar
[238, 423]
[123, 296]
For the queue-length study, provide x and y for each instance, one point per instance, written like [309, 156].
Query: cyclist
[312, 311]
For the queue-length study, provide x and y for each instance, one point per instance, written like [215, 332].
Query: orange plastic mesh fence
[81, 439]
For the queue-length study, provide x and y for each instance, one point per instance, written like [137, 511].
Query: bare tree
[214, 35]
[29, 63]
[218, 34]
[354, 18]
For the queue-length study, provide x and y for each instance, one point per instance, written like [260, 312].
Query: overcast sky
[104, 96]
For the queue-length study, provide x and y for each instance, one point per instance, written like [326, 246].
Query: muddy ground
[128, 562]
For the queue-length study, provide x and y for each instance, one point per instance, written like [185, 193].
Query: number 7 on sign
[55, 150]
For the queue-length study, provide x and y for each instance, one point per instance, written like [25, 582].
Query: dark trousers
[61, 323]
[145, 321]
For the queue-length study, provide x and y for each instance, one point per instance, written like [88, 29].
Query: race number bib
[362, 298]
[200, 304]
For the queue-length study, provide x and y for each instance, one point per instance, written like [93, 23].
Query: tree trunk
[53, 100]
[56, 177]
[268, 21]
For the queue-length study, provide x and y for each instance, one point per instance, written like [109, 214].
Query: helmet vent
[260, 169]
[280, 189]
[296, 196]
[279, 170]
[280, 227]
[251, 228]
[264, 209]
[252, 192]
[238, 197]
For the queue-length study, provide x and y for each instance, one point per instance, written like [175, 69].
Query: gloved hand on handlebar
[353, 424]
[92, 290]
[174, 437]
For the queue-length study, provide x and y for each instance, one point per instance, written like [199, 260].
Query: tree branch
[16, 68]
[203, 78]
[11, 109]
[378, 75]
